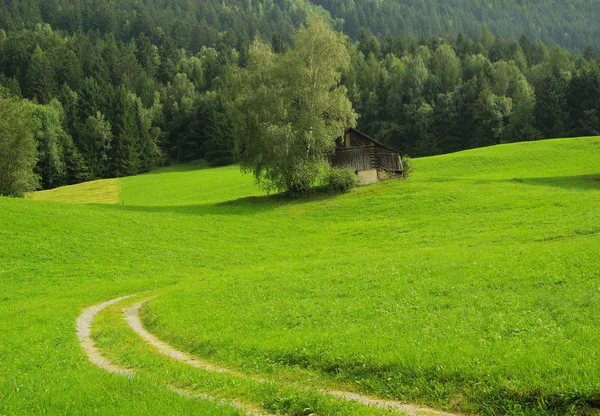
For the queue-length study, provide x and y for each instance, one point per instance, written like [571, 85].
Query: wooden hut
[371, 160]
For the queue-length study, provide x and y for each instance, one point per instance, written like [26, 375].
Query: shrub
[408, 166]
[302, 181]
[341, 179]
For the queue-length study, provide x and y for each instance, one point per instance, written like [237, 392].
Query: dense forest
[116, 88]
[572, 24]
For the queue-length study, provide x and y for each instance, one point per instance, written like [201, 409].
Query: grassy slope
[105, 191]
[475, 284]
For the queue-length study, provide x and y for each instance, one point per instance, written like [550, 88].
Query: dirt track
[84, 330]
[133, 319]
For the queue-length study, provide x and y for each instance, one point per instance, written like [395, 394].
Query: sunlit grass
[105, 191]
[275, 395]
[474, 285]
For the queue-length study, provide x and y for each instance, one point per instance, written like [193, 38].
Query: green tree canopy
[291, 107]
[18, 154]
[95, 141]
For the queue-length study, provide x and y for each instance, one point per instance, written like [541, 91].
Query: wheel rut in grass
[84, 331]
[132, 315]
[221, 402]
[409, 409]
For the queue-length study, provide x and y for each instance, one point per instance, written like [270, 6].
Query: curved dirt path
[409, 409]
[84, 330]
[221, 402]
[132, 315]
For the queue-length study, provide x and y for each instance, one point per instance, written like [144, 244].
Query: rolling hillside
[473, 286]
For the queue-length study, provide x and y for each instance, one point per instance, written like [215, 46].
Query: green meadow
[473, 286]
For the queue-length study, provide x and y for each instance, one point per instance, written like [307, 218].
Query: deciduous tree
[18, 154]
[290, 109]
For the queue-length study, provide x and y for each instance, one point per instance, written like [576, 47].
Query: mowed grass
[105, 191]
[473, 286]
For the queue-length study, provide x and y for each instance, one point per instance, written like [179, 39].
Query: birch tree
[290, 108]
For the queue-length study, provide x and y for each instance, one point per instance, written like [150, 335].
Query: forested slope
[117, 88]
[572, 24]
[190, 24]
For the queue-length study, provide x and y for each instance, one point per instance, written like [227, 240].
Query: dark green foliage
[138, 81]
[452, 95]
[11, 85]
[76, 168]
[51, 140]
[341, 179]
[551, 108]
[570, 23]
[219, 138]
[18, 154]
[125, 151]
[573, 24]
[90, 100]
[41, 80]
[95, 140]
[407, 165]
[583, 100]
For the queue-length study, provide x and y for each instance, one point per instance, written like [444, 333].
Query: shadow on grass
[566, 182]
[584, 182]
[243, 206]
[178, 168]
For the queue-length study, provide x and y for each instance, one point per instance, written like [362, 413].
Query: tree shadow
[179, 168]
[250, 205]
[587, 182]
[581, 182]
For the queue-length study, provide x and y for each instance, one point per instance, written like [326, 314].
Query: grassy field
[473, 286]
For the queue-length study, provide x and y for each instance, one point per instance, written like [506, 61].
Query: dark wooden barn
[370, 159]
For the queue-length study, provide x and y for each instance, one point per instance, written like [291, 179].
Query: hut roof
[377, 142]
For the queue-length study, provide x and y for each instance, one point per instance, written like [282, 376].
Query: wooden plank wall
[357, 159]
[389, 161]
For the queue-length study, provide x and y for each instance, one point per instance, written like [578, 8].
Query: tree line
[444, 95]
[572, 24]
[107, 96]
